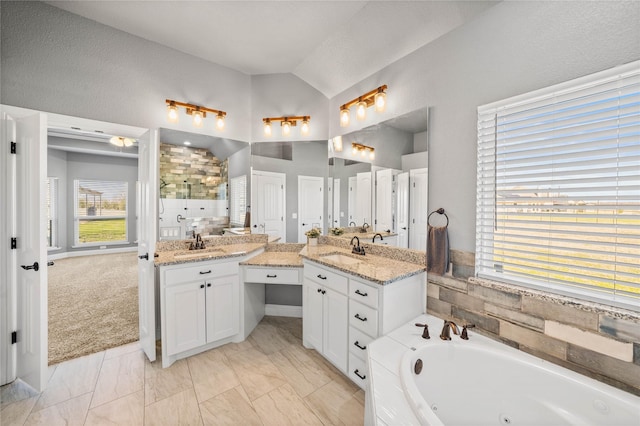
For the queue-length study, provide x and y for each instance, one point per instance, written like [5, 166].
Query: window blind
[238, 200]
[558, 188]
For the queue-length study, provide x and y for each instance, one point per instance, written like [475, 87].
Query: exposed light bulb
[380, 101]
[361, 110]
[304, 129]
[187, 143]
[116, 140]
[197, 118]
[372, 155]
[286, 128]
[354, 150]
[344, 117]
[363, 153]
[220, 121]
[267, 128]
[172, 113]
[127, 141]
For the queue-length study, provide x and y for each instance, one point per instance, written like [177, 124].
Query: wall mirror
[204, 185]
[378, 177]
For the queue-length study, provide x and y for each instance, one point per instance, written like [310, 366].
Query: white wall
[512, 48]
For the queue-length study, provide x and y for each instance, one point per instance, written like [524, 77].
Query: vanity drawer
[364, 318]
[199, 271]
[327, 278]
[358, 371]
[363, 293]
[272, 275]
[358, 342]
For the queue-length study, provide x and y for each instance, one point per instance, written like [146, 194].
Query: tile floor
[269, 379]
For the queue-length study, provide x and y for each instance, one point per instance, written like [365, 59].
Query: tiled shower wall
[595, 340]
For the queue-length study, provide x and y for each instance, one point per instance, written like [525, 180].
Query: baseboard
[283, 311]
[68, 254]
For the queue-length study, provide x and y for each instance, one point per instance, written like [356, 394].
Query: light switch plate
[294, 215]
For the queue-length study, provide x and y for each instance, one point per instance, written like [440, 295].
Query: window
[238, 200]
[558, 188]
[52, 212]
[100, 212]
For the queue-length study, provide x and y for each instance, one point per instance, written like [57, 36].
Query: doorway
[269, 204]
[310, 205]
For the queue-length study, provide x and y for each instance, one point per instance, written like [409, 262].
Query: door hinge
[14, 337]
[14, 243]
[13, 147]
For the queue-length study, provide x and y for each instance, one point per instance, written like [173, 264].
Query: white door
[310, 204]
[330, 202]
[337, 218]
[27, 265]
[363, 199]
[147, 179]
[353, 190]
[384, 203]
[418, 180]
[402, 225]
[268, 204]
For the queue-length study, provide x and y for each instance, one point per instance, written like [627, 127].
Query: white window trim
[486, 177]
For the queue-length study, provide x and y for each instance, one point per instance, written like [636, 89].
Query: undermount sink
[197, 253]
[342, 258]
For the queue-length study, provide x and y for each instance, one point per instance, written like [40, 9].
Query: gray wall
[309, 159]
[390, 144]
[98, 167]
[512, 48]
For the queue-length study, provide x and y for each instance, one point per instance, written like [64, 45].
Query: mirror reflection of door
[418, 180]
[402, 221]
[310, 202]
[268, 204]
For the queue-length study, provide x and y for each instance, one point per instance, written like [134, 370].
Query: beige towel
[438, 250]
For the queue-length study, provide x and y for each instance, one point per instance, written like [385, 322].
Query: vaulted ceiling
[331, 45]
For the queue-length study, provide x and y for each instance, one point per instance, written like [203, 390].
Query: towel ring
[439, 211]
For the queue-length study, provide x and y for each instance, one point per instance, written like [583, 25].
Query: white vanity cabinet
[325, 313]
[372, 310]
[200, 307]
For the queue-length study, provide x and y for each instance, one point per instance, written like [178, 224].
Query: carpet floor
[93, 304]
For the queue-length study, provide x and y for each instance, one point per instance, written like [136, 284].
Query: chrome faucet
[377, 235]
[357, 249]
[447, 328]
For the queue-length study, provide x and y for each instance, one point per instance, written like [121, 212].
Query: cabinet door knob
[201, 285]
[319, 290]
[357, 316]
[208, 284]
[357, 373]
[361, 294]
[324, 291]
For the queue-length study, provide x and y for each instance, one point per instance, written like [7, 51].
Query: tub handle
[357, 373]
[357, 343]
[464, 334]
[357, 316]
[425, 332]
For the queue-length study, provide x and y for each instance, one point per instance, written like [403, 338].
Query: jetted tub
[483, 382]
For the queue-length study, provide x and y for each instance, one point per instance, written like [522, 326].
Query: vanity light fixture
[363, 150]
[287, 123]
[197, 112]
[377, 97]
[121, 141]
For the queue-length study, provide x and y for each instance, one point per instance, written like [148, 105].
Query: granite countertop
[281, 255]
[215, 252]
[378, 269]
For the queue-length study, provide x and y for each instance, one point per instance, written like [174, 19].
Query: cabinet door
[336, 310]
[185, 321]
[223, 307]
[312, 313]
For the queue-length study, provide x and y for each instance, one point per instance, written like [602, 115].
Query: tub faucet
[447, 328]
[425, 332]
[377, 235]
[357, 249]
[464, 335]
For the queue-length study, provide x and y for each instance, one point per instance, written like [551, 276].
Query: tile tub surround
[596, 340]
[231, 246]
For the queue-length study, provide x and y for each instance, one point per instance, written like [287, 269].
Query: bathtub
[483, 382]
